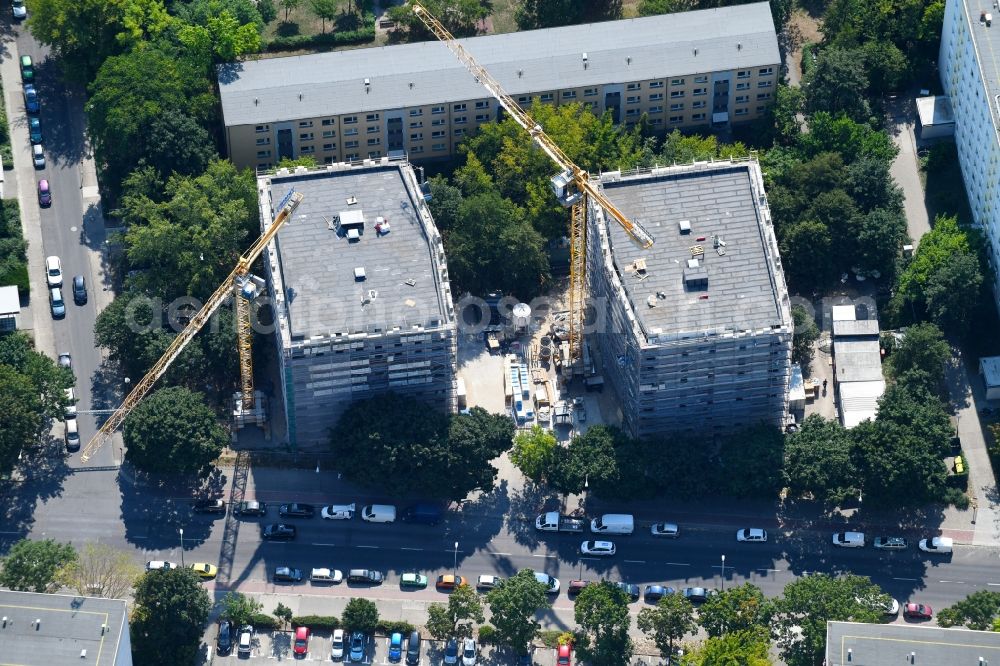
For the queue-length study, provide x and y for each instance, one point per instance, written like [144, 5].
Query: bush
[487, 634]
[956, 497]
[315, 622]
[265, 622]
[550, 638]
[322, 40]
[17, 276]
[387, 627]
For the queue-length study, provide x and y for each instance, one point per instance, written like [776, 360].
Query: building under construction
[694, 333]
[359, 284]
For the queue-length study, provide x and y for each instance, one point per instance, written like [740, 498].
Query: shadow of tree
[38, 476]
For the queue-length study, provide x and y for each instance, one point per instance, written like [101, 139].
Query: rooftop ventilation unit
[359, 274]
[684, 226]
[696, 278]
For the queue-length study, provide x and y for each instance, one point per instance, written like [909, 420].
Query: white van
[379, 513]
[613, 523]
[849, 539]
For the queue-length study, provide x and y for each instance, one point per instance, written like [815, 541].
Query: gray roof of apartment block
[68, 625]
[857, 644]
[408, 75]
[719, 202]
[318, 265]
[987, 43]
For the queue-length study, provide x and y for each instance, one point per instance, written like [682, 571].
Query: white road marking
[993, 584]
[371, 547]
[953, 582]
[906, 579]
[550, 557]
[678, 564]
[322, 544]
[636, 561]
[405, 548]
[503, 554]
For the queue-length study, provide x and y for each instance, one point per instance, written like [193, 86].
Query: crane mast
[572, 186]
[238, 280]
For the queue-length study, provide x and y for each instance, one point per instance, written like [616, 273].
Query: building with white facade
[694, 334]
[970, 74]
[359, 286]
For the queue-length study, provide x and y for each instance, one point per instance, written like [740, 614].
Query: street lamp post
[723, 573]
[454, 568]
[181, 530]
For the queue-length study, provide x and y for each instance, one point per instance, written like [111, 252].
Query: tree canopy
[360, 615]
[168, 621]
[34, 565]
[738, 609]
[173, 431]
[534, 452]
[403, 442]
[805, 335]
[513, 607]
[100, 570]
[601, 611]
[977, 611]
[668, 622]
[919, 359]
[455, 619]
[535, 14]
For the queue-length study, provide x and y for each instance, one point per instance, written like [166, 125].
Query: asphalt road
[68, 229]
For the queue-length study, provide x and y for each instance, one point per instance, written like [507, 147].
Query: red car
[301, 641]
[564, 656]
[918, 611]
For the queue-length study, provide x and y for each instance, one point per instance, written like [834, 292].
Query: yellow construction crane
[572, 185]
[239, 283]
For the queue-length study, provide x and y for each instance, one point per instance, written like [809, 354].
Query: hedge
[322, 40]
[487, 634]
[387, 627]
[316, 621]
[262, 621]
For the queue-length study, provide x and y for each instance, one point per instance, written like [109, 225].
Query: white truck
[554, 522]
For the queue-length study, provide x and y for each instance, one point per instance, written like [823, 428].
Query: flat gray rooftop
[881, 644]
[740, 294]
[318, 264]
[69, 625]
[857, 359]
[408, 75]
[987, 43]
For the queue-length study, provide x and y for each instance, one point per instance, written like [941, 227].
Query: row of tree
[95, 570]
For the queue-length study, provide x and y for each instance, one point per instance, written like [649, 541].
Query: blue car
[654, 593]
[31, 101]
[35, 130]
[396, 647]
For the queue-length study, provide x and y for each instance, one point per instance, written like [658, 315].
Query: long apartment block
[694, 334]
[359, 286]
[698, 69]
[970, 75]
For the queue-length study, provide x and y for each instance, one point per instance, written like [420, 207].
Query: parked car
[413, 649]
[379, 513]
[71, 434]
[414, 580]
[301, 645]
[665, 530]
[44, 194]
[631, 589]
[337, 645]
[939, 545]
[337, 512]
[287, 575]
[654, 593]
[53, 271]
[697, 594]
[38, 157]
[918, 611]
[890, 543]
[891, 609]
[27, 69]
[326, 575]
[65, 360]
[469, 654]
[395, 652]
[245, 644]
[366, 576]
[488, 582]
[35, 130]
[849, 539]
[551, 583]
[79, 290]
[279, 532]
[156, 565]
[451, 652]
[576, 586]
[250, 508]
[56, 303]
[752, 535]
[450, 581]
[423, 513]
[564, 655]
[32, 104]
[358, 647]
[597, 548]
[224, 639]
[205, 570]
[296, 510]
[209, 506]
[18, 9]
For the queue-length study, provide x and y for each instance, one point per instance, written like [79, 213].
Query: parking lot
[277, 646]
